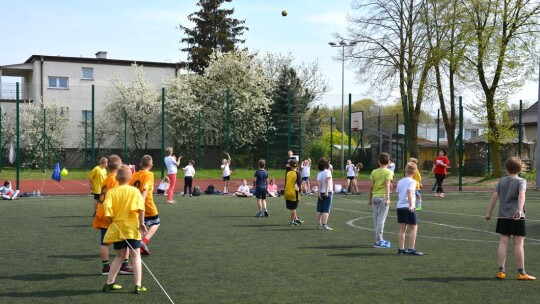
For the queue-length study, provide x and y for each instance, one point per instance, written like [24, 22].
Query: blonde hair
[410, 169]
[102, 160]
[413, 160]
[146, 161]
[166, 179]
[123, 176]
[168, 151]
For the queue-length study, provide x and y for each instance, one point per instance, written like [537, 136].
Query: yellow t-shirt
[291, 194]
[379, 177]
[97, 176]
[100, 220]
[418, 179]
[123, 205]
[144, 180]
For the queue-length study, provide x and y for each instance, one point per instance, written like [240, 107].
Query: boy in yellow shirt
[102, 223]
[293, 181]
[96, 178]
[124, 206]
[144, 181]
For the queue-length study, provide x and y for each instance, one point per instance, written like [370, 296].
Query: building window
[87, 73]
[86, 114]
[473, 133]
[58, 82]
[442, 133]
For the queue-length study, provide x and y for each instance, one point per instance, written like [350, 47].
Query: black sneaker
[414, 252]
[144, 249]
[265, 213]
[401, 251]
[298, 221]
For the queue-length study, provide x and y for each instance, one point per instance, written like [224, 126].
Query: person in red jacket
[439, 168]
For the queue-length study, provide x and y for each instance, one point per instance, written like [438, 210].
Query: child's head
[290, 153]
[168, 151]
[293, 164]
[146, 162]
[413, 160]
[123, 176]
[224, 161]
[192, 162]
[384, 158]
[442, 153]
[244, 182]
[359, 166]
[513, 165]
[272, 181]
[349, 162]
[262, 163]
[103, 162]
[113, 163]
[322, 164]
[7, 183]
[410, 169]
[166, 179]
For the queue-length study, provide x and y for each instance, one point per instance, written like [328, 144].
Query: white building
[70, 79]
[429, 131]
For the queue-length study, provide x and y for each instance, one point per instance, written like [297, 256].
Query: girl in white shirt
[226, 172]
[306, 172]
[324, 200]
[243, 190]
[172, 168]
[351, 177]
[189, 174]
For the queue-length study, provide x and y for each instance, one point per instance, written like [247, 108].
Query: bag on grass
[196, 191]
[56, 175]
[210, 190]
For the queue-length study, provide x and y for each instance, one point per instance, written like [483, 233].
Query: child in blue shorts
[261, 180]
[406, 211]
[324, 200]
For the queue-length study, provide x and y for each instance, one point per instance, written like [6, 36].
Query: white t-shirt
[404, 185]
[189, 171]
[226, 170]
[243, 189]
[163, 186]
[351, 170]
[171, 166]
[321, 178]
[391, 167]
[330, 167]
[306, 171]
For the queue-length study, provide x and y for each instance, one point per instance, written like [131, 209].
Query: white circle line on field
[351, 224]
[439, 212]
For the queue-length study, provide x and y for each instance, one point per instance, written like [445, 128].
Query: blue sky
[147, 30]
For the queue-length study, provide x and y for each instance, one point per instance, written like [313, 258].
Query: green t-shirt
[379, 176]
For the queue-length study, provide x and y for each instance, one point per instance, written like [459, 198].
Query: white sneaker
[325, 227]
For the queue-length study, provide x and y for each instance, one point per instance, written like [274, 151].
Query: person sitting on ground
[243, 190]
[272, 188]
[164, 186]
[8, 193]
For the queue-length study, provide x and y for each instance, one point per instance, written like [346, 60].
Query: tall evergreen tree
[214, 29]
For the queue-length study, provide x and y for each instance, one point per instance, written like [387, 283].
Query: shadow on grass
[78, 257]
[363, 254]
[32, 277]
[231, 216]
[50, 293]
[338, 247]
[68, 216]
[259, 225]
[449, 279]
[75, 226]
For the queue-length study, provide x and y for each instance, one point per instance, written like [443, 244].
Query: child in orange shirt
[144, 181]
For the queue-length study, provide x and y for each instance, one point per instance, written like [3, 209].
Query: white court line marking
[440, 212]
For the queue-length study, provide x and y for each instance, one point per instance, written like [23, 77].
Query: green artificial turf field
[211, 249]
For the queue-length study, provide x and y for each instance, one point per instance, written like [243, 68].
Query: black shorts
[351, 177]
[160, 191]
[291, 205]
[152, 220]
[404, 216]
[260, 192]
[124, 244]
[96, 196]
[507, 226]
[226, 178]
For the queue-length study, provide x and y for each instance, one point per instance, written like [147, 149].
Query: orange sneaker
[501, 275]
[525, 277]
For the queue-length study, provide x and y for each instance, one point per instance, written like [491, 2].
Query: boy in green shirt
[379, 198]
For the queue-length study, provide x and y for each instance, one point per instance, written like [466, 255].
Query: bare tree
[391, 50]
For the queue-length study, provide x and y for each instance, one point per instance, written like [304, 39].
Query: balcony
[8, 92]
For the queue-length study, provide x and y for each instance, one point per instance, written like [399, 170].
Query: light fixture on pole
[342, 44]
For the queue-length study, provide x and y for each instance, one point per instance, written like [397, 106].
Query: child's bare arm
[142, 226]
[491, 205]
[410, 195]
[521, 203]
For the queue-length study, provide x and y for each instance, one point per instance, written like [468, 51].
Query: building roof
[34, 58]
[529, 116]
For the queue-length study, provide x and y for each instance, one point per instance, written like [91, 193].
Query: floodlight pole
[350, 128]
[537, 150]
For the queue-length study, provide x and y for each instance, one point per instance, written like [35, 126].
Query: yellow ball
[64, 172]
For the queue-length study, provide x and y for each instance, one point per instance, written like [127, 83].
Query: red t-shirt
[439, 168]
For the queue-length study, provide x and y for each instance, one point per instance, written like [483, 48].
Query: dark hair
[513, 165]
[443, 152]
[322, 164]
[293, 163]
[192, 162]
[262, 163]
[6, 183]
[384, 158]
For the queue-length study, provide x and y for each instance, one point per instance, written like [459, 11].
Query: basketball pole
[350, 128]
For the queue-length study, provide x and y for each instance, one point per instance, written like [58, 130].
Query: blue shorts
[260, 192]
[124, 244]
[227, 178]
[151, 220]
[103, 231]
[404, 216]
[325, 204]
[305, 178]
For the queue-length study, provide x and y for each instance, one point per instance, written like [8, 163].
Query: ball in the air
[64, 172]
[284, 13]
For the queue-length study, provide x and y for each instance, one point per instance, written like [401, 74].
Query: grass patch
[210, 249]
